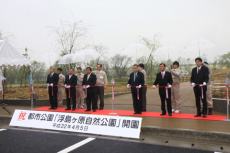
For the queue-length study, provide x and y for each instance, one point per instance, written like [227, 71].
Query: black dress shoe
[204, 116]
[162, 114]
[94, 110]
[88, 110]
[101, 108]
[67, 109]
[169, 114]
[197, 115]
[73, 109]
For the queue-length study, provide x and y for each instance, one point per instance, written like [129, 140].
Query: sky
[183, 27]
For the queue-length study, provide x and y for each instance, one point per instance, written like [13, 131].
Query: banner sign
[118, 126]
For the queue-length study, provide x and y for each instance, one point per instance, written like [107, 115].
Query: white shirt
[163, 74]
[101, 78]
[88, 76]
[198, 68]
[70, 76]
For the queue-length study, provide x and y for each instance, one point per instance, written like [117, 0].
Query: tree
[101, 51]
[39, 71]
[120, 65]
[224, 60]
[69, 36]
[152, 45]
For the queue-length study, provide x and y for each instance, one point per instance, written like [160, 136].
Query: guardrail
[227, 87]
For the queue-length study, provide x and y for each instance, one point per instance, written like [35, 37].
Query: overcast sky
[182, 26]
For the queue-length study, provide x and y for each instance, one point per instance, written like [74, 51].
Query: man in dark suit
[164, 82]
[88, 83]
[70, 88]
[199, 80]
[136, 82]
[52, 83]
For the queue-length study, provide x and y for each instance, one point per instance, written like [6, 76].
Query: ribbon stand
[227, 86]
[113, 97]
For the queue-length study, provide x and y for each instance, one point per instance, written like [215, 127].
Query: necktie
[135, 76]
[198, 69]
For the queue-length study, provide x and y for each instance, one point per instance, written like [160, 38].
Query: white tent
[10, 56]
[81, 56]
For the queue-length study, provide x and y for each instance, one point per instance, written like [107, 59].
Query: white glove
[128, 86]
[169, 86]
[51, 84]
[87, 86]
[67, 86]
[154, 87]
[193, 84]
[204, 83]
[138, 87]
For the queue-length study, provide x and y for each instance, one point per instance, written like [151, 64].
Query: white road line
[77, 145]
[2, 129]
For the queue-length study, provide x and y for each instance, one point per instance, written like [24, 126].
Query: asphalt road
[36, 141]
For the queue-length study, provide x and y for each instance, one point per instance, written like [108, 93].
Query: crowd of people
[87, 90]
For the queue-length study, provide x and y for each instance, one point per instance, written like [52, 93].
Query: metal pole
[227, 103]
[32, 89]
[113, 97]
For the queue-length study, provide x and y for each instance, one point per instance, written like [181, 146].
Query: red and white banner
[118, 126]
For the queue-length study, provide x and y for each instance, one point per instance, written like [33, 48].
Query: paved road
[24, 141]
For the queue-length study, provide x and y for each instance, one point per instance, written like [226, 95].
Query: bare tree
[101, 51]
[152, 45]
[120, 65]
[69, 36]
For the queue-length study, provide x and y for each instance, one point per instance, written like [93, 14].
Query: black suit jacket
[53, 79]
[163, 81]
[72, 81]
[201, 76]
[138, 81]
[91, 81]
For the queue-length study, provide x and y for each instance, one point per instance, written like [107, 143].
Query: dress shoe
[67, 109]
[204, 116]
[73, 109]
[162, 114]
[169, 114]
[94, 110]
[88, 110]
[197, 115]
